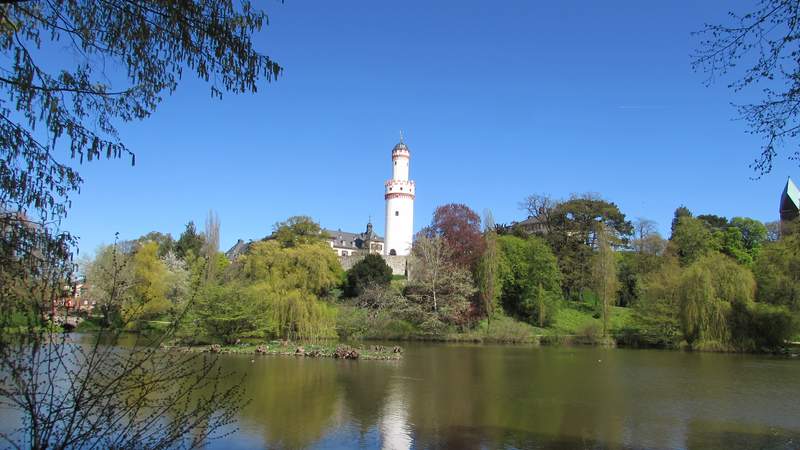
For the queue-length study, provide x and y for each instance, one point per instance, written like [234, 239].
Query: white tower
[399, 204]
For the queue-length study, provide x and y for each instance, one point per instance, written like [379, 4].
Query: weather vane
[401, 135]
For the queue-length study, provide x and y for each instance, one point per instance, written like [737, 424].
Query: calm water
[470, 396]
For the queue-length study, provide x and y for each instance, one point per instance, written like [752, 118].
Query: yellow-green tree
[287, 280]
[149, 289]
[604, 271]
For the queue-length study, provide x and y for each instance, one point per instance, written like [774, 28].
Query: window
[395, 163]
[392, 252]
[397, 213]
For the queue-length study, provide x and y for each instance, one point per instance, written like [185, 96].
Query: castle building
[349, 244]
[400, 192]
[790, 205]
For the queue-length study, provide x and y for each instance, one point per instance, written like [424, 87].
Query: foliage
[488, 270]
[777, 271]
[439, 287]
[149, 289]
[604, 272]
[190, 242]
[460, 227]
[309, 267]
[110, 279]
[529, 278]
[166, 244]
[573, 237]
[760, 326]
[680, 212]
[230, 312]
[370, 270]
[656, 314]
[706, 291]
[691, 239]
[288, 282]
[297, 230]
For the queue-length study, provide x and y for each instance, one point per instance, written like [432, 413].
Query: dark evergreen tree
[190, 242]
[372, 270]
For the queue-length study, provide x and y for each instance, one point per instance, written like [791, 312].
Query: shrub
[372, 270]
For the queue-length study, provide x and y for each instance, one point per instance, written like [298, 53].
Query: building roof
[790, 201]
[791, 194]
[239, 248]
[345, 239]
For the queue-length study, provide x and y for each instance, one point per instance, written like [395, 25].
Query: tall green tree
[370, 271]
[190, 243]
[530, 279]
[777, 271]
[691, 239]
[297, 230]
[573, 237]
[604, 271]
[489, 268]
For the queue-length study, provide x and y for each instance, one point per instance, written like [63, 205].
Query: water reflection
[471, 397]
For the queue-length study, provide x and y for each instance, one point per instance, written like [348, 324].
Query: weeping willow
[299, 314]
[287, 283]
[706, 291]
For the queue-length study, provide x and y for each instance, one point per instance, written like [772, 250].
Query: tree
[460, 227]
[706, 291]
[290, 282]
[754, 233]
[777, 271]
[190, 242]
[759, 50]
[297, 230]
[604, 270]
[574, 237]
[529, 278]
[210, 247]
[149, 289]
[51, 108]
[773, 230]
[488, 267]
[691, 239]
[166, 243]
[440, 286]
[681, 211]
[714, 222]
[230, 312]
[540, 207]
[643, 229]
[370, 271]
[110, 279]
[656, 314]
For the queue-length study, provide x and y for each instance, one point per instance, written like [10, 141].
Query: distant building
[536, 225]
[349, 244]
[790, 205]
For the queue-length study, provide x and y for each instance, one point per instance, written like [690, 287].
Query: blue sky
[497, 100]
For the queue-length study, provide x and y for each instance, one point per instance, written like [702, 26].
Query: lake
[483, 396]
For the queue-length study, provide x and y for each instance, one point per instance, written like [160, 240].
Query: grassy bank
[571, 324]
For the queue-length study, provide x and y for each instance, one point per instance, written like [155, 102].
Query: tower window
[392, 252]
[395, 163]
[397, 213]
